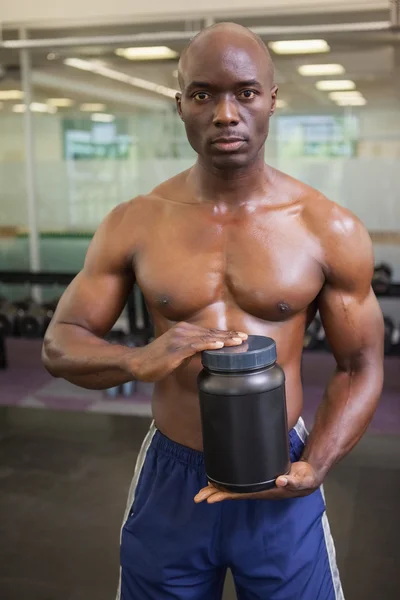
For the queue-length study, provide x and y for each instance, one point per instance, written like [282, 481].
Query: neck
[226, 186]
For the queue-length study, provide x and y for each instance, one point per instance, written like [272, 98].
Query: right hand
[178, 344]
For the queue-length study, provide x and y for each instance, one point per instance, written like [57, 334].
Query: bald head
[220, 34]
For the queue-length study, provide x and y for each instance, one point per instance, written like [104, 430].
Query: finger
[220, 497]
[240, 334]
[204, 494]
[281, 481]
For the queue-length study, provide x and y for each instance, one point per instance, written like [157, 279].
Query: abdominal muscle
[176, 407]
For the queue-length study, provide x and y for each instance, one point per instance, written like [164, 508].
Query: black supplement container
[243, 414]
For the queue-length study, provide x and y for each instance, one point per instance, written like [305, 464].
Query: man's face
[227, 100]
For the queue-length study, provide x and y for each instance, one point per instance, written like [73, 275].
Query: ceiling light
[281, 103]
[335, 84]
[60, 102]
[343, 95]
[35, 107]
[11, 94]
[52, 56]
[43, 108]
[100, 69]
[352, 101]
[147, 53]
[299, 46]
[102, 118]
[93, 107]
[320, 70]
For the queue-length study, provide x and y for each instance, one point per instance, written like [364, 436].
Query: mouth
[228, 144]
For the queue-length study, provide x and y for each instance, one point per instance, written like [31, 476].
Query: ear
[274, 95]
[178, 99]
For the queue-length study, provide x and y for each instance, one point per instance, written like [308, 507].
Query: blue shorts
[174, 549]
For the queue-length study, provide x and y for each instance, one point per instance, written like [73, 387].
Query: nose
[226, 113]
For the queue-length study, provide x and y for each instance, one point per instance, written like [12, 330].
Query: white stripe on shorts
[132, 488]
[302, 432]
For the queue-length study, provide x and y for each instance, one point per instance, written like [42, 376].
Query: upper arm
[349, 310]
[97, 295]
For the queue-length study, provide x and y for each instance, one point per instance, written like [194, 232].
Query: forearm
[72, 352]
[347, 408]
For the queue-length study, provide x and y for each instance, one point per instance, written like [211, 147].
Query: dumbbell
[33, 322]
[3, 351]
[382, 278]
[49, 308]
[311, 339]
[8, 318]
[392, 334]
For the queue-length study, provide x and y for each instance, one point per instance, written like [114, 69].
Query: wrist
[320, 470]
[132, 363]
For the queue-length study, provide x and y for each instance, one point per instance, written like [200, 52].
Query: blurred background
[88, 120]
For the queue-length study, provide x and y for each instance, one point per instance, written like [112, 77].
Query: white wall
[63, 12]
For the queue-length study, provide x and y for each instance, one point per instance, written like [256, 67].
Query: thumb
[281, 481]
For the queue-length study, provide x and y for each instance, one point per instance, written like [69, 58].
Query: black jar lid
[254, 353]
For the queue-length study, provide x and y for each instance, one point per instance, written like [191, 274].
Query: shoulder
[346, 250]
[344, 247]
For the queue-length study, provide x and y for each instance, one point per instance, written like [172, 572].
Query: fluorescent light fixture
[147, 53]
[328, 85]
[11, 94]
[280, 103]
[320, 70]
[100, 68]
[92, 107]
[345, 95]
[35, 107]
[299, 46]
[352, 101]
[60, 102]
[102, 118]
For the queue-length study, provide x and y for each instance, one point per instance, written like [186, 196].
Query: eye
[201, 96]
[248, 94]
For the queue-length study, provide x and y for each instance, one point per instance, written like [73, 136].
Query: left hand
[301, 481]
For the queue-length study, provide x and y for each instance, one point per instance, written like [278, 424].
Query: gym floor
[64, 478]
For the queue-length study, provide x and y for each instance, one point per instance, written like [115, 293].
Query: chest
[265, 266]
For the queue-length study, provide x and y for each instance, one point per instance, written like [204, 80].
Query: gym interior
[87, 121]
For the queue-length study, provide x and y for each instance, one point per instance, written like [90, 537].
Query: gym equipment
[113, 392]
[128, 389]
[49, 308]
[8, 318]
[139, 319]
[33, 322]
[3, 351]
[243, 414]
[392, 334]
[311, 339]
[382, 278]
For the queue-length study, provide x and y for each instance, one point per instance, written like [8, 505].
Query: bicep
[94, 301]
[353, 324]
[97, 295]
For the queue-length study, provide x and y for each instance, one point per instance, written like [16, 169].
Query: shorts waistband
[195, 458]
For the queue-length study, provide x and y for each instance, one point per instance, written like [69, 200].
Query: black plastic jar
[243, 413]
